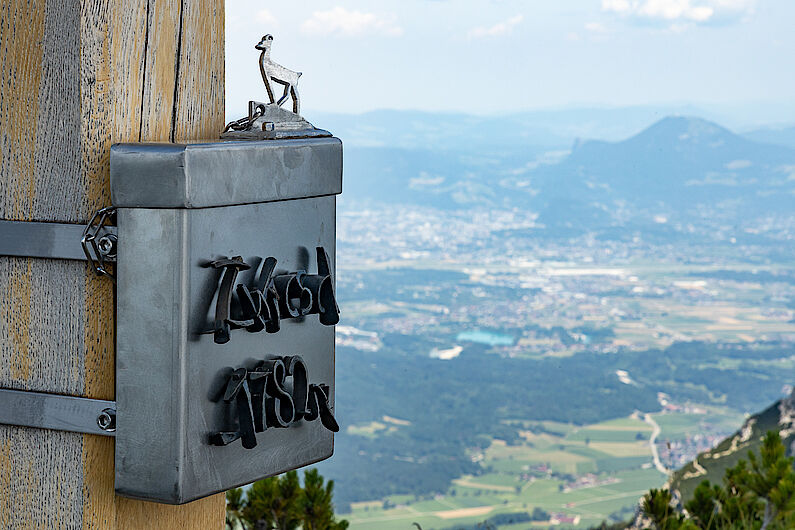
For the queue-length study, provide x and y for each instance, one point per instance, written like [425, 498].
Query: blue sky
[482, 56]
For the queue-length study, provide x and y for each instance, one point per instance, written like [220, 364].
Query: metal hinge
[95, 242]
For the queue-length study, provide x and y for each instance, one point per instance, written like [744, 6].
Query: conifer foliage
[758, 493]
[281, 503]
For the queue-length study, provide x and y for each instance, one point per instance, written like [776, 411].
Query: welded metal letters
[272, 297]
[262, 399]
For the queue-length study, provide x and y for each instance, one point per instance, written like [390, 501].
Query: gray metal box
[180, 207]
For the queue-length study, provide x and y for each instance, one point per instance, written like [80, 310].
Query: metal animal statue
[273, 72]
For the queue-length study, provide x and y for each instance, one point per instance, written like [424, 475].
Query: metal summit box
[225, 312]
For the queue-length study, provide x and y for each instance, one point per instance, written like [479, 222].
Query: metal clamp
[95, 242]
[61, 413]
[99, 245]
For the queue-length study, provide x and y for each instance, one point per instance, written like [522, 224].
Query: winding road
[652, 439]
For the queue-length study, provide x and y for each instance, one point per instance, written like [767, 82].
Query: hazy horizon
[480, 57]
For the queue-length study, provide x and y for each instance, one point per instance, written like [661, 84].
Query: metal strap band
[44, 240]
[61, 413]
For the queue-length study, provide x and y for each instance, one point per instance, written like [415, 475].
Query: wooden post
[75, 77]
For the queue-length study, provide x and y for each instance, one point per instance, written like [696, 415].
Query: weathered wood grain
[161, 63]
[75, 77]
[202, 49]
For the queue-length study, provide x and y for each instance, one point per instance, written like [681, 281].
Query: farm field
[584, 473]
[579, 475]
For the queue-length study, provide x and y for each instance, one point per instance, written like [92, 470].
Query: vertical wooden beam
[200, 39]
[160, 69]
[75, 77]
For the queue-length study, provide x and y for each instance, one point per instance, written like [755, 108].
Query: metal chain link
[244, 124]
[100, 248]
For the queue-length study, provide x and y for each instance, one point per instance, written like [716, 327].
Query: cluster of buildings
[550, 294]
[589, 480]
[674, 454]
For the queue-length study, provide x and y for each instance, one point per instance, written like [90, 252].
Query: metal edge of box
[144, 173]
[148, 175]
[145, 467]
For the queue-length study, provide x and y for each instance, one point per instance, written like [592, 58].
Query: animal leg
[296, 100]
[285, 96]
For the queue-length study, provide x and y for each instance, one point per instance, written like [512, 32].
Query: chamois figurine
[272, 71]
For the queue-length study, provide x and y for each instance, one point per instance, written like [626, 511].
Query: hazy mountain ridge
[679, 169]
[679, 166]
[548, 129]
[773, 135]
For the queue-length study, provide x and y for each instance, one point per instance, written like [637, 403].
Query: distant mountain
[431, 178]
[547, 129]
[779, 136]
[713, 464]
[679, 166]
[680, 169]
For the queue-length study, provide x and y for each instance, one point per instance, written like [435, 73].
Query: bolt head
[107, 420]
[107, 245]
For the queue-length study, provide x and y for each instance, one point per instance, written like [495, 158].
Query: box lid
[225, 173]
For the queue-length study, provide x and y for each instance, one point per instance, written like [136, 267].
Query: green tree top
[281, 503]
[756, 494]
